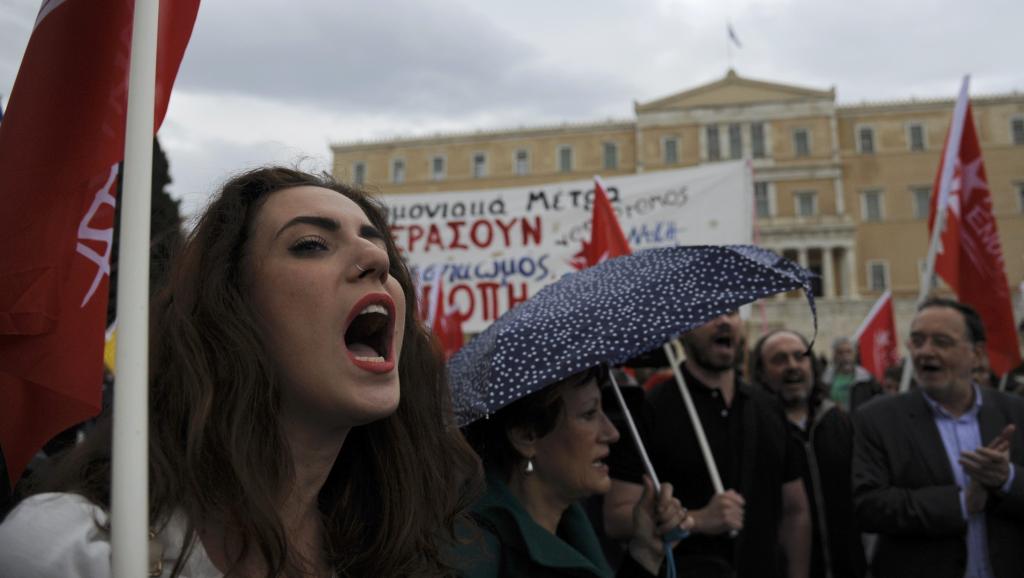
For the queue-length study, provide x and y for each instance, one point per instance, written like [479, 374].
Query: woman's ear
[523, 440]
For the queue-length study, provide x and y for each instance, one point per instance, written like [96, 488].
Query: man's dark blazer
[904, 490]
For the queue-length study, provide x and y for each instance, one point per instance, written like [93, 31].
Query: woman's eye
[590, 414]
[308, 245]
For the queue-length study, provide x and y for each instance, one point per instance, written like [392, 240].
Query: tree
[165, 230]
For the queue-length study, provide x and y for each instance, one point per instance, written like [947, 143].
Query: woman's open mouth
[369, 333]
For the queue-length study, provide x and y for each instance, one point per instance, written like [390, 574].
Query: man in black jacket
[783, 364]
[938, 472]
[763, 509]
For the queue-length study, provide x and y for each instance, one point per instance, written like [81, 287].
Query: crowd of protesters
[925, 483]
[272, 456]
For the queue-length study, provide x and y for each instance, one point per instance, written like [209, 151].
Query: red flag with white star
[61, 140]
[876, 339]
[606, 238]
[970, 257]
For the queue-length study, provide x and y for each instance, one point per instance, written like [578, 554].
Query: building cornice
[792, 94]
[902, 106]
[486, 135]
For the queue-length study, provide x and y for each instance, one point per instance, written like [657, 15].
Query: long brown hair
[217, 450]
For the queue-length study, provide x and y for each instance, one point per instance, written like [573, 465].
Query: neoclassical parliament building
[841, 188]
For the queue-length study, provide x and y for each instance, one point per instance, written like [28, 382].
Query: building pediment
[734, 90]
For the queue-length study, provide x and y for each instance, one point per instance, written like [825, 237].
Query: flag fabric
[60, 144]
[732, 36]
[970, 256]
[876, 338]
[606, 237]
[445, 325]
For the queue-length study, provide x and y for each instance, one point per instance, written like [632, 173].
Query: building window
[866, 140]
[806, 203]
[735, 142]
[915, 136]
[398, 171]
[762, 200]
[611, 156]
[437, 168]
[871, 207]
[714, 150]
[757, 140]
[1017, 128]
[359, 173]
[922, 201]
[670, 149]
[878, 275]
[802, 142]
[479, 165]
[522, 162]
[565, 159]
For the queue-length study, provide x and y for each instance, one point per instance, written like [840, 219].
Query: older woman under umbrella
[543, 455]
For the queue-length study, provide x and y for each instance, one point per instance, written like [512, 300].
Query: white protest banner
[495, 248]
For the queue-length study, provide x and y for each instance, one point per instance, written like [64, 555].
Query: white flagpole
[698, 428]
[952, 152]
[129, 492]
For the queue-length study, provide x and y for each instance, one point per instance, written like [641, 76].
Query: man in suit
[938, 472]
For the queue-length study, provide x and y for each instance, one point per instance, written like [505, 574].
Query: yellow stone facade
[839, 187]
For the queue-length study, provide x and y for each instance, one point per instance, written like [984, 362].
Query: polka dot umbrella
[608, 314]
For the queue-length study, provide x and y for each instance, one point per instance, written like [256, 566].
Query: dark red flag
[446, 326]
[876, 338]
[970, 258]
[606, 238]
[61, 140]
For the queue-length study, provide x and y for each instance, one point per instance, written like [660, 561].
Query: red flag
[60, 144]
[606, 238]
[446, 326]
[448, 329]
[970, 258]
[876, 338]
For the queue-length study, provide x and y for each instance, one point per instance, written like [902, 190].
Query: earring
[529, 466]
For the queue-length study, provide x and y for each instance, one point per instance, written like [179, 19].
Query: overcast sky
[274, 81]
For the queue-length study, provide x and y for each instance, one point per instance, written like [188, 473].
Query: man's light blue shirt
[962, 434]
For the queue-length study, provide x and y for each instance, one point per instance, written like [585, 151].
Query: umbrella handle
[678, 533]
[648, 467]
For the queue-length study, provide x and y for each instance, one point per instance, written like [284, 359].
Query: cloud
[16, 20]
[387, 56]
[881, 50]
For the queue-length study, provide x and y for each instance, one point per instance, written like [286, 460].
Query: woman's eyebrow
[370, 232]
[326, 223]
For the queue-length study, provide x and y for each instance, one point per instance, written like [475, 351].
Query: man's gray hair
[841, 341]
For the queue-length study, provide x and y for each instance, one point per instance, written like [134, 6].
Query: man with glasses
[938, 472]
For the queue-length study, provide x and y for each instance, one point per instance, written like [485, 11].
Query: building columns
[850, 273]
[828, 273]
[801, 254]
